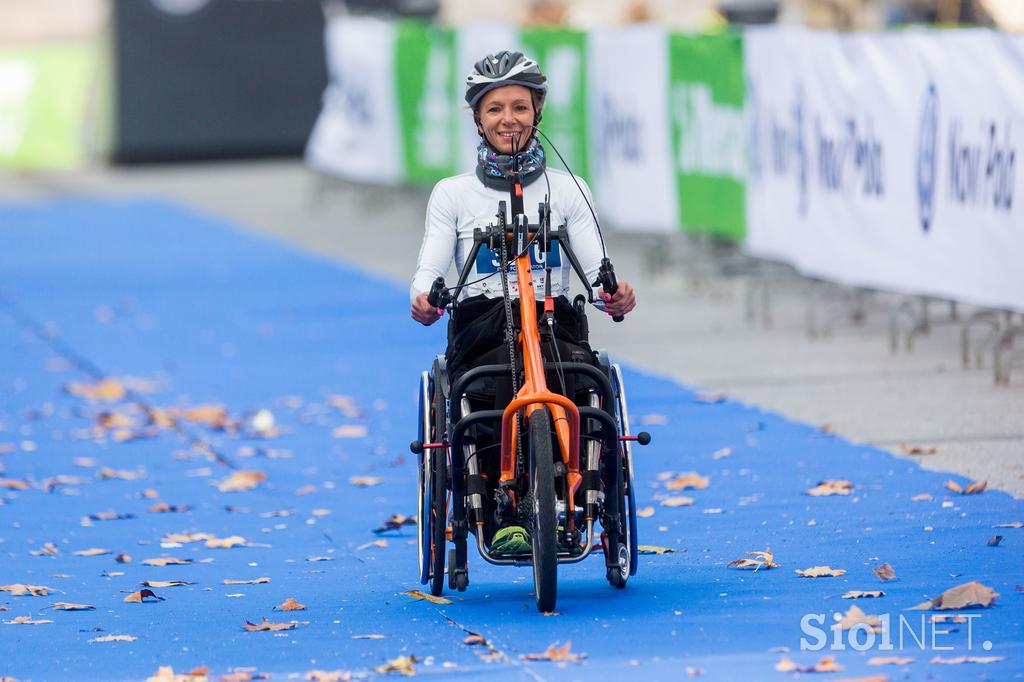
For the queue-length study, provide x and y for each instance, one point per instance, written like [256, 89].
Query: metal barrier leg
[1005, 356]
[986, 317]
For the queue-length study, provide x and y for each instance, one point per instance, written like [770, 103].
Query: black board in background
[216, 79]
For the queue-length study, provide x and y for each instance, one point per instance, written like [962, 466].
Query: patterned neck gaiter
[493, 167]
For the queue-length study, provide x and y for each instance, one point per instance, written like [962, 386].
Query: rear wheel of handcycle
[545, 521]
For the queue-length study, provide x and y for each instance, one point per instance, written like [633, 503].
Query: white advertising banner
[888, 160]
[630, 146]
[357, 133]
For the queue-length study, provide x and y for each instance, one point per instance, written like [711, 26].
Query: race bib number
[487, 261]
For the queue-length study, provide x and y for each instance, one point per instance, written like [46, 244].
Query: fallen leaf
[165, 583]
[365, 481]
[243, 676]
[686, 481]
[110, 516]
[368, 636]
[319, 558]
[967, 659]
[821, 572]
[240, 481]
[402, 664]
[226, 543]
[329, 675]
[971, 489]
[375, 543]
[18, 590]
[166, 561]
[165, 673]
[416, 594]
[141, 596]
[349, 431]
[94, 551]
[474, 639]
[14, 484]
[290, 604]
[885, 572]
[826, 665]
[396, 521]
[677, 501]
[918, 449]
[855, 616]
[556, 653]
[721, 454]
[1015, 524]
[113, 638]
[761, 560]
[327, 512]
[121, 474]
[306, 490]
[186, 538]
[123, 559]
[105, 390]
[961, 597]
[923, 497]
[65, 606]
[25, 620]
[215, 416]
[830, 488]
[164, 508]
[654, 549]
[267, 626]
[645, 512]
[254, 581]
[857, 594]
[889, 660]
[49, 549]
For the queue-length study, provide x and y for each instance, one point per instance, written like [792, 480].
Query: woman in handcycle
[506, 93]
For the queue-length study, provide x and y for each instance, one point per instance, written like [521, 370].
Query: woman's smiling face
[506, 115]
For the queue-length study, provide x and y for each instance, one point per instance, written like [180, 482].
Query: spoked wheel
[542, 489]
[438, 492]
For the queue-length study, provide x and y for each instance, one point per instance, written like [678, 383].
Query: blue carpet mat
[185, 311]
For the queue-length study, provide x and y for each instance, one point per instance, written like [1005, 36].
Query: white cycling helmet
[504, 68]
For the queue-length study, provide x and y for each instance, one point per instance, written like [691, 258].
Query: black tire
[545, 521]
[439, 494]
[618, 552]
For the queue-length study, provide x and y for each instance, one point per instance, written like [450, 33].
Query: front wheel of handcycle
[545, 522]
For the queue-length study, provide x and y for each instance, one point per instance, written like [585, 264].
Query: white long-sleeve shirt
[462, 203]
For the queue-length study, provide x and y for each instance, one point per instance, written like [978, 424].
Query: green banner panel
[426, 86]
[562, 57]
[709, 132]
[47, 95]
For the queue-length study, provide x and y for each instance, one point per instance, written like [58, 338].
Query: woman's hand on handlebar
[621, 302]
[423, 312]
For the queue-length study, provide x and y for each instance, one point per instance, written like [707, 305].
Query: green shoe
[511, 540]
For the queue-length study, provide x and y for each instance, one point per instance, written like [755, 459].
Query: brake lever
[439, 296]
[606, 280]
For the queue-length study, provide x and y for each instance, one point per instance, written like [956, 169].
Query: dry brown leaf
[858, 594]
[821, 572]
[165, 583]
[761, 560]
[885, 572]
[267, 626]
[918, 449]
[19, 590]
[688, 480]
[166, 561]
[855, 616]
[349, 431]
[645, 512]
[306, 490]
[375, 543]
[226, 543]
[254, 581]
[141, 596]
[123, 558]
[474, 639]
[319, 558]
[830, 488]
[113, 638]
[186, 538]
[240, 481]
[394, 522]
[923, 497]
[373, 636]
[889, 660]
[25, 620]
[105, 390]
[290, 604]
[967, 659]
[679, 501]
[654, 549]
[971, 489]
[416, 594]
[243, 676]
[165, 673]
[402, 665]
[65, 606]
[344, 404]
[14, 484]
[365, 481]
[556, 653]
[1015, 524]
[215, 416]
[961, 597]
[110, 516]
[107, 474]
[164, 508]
[827, 664]
[49, 549]
[93, 551]
[329, 675]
